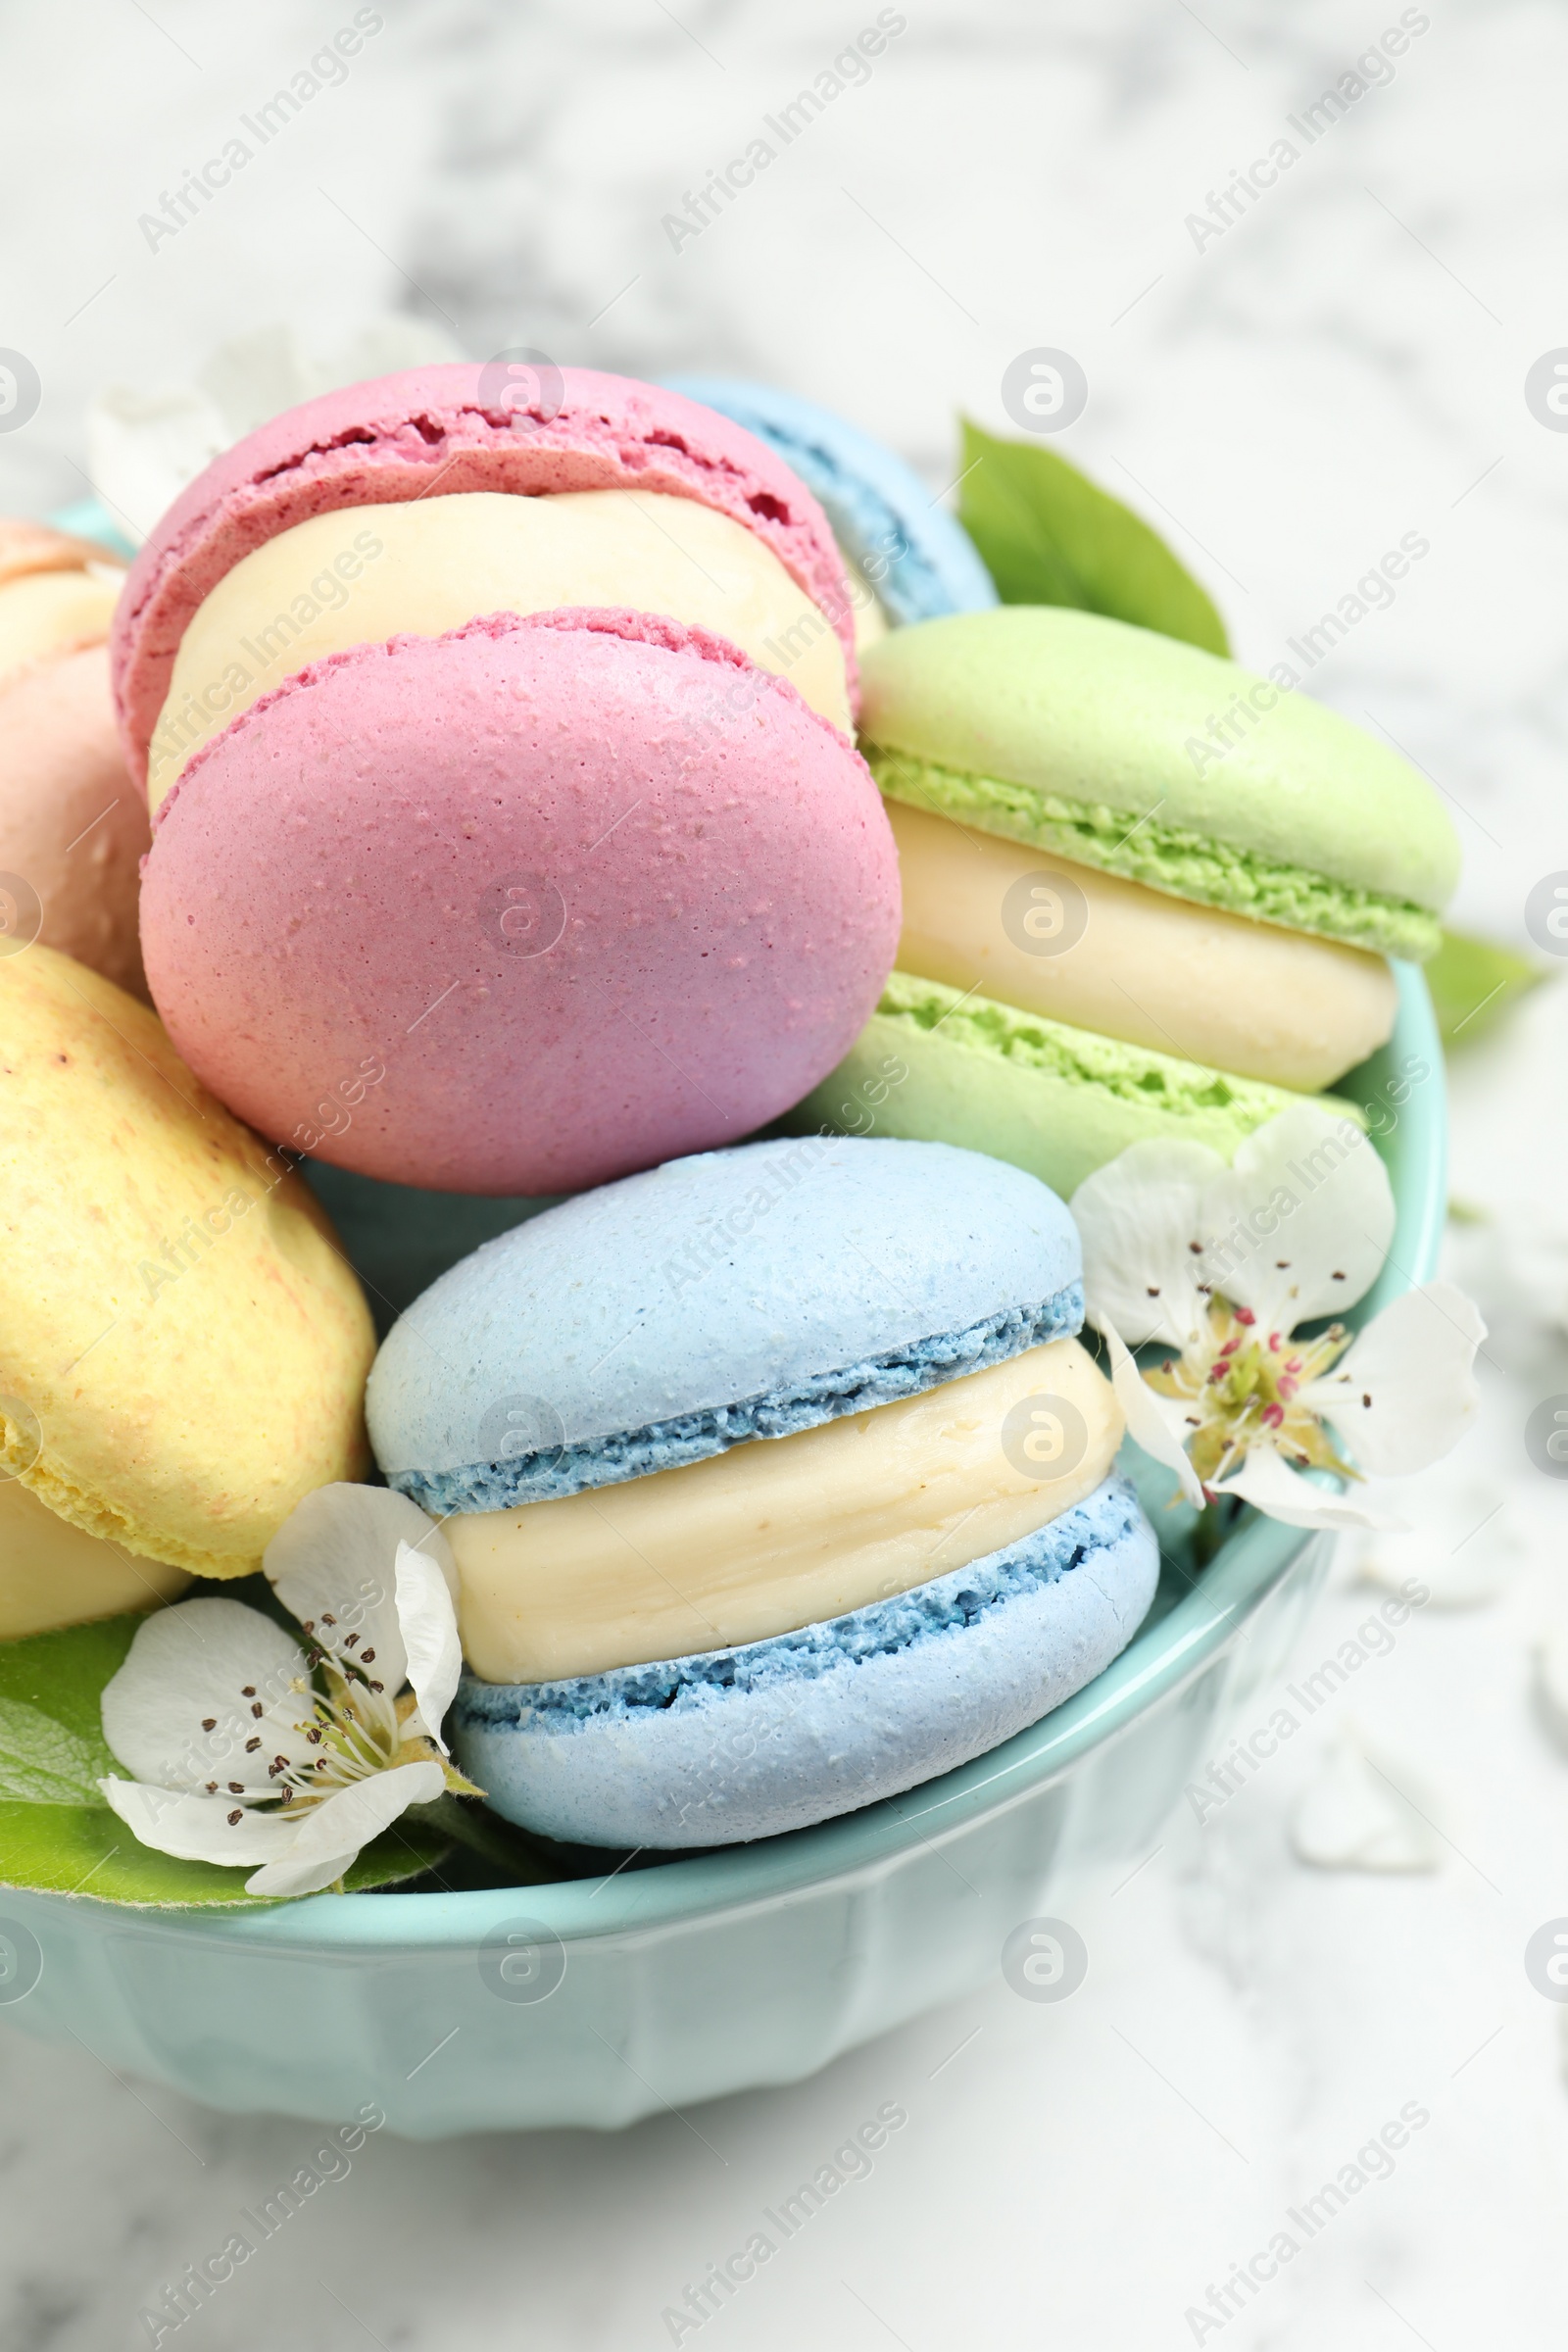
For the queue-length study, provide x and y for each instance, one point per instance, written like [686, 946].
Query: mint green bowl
[616, 1996]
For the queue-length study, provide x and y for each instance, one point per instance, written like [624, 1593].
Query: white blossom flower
[1222, 1265]
[238, 1755]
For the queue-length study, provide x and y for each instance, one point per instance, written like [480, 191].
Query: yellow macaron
[182, 1346]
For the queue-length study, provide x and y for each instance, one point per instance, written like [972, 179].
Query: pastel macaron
[436, 438]
[73, 823]
[182, 1347]
[519, 909]
[907, 556]
[506, 750]
[1146, 893]
[776, 1480]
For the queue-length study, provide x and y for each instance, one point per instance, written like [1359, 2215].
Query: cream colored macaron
[182, 1346]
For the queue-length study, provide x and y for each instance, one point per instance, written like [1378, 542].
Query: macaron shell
[726, 1278]
[439, 430]
[782, 1734]
[176, 1328]
[53, 1574]
[431, 566]
[917, 557]
[72, 824]
[702, 902]
[1116, 718]
[27, 547]
[1056, 1101]
[45, 613]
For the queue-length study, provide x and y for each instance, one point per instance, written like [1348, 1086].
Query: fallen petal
[1552, 1678]
[1366, 1809]
[1457, 1571]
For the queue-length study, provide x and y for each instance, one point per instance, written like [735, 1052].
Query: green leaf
[1049, 535]
[42, 1763]
[56, 1833]
[1473, 984]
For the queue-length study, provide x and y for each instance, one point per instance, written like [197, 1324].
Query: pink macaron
[522, 908]
[72, 822]
[442, 431]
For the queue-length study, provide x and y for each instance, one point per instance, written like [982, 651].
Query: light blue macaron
[920, 562]
[734, 1295]
[737, 1295]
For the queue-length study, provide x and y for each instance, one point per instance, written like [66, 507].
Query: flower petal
[429, 1627]
[1366, 1809]
[327, 1838]
[333, 1563]
[286, 1877]
[1142, 1229]
[1300, 1224]
[206, 1695]
[144, 447]
[1157, 1423]
[1267, 1482]
[198, 1829]
[1405, 1391]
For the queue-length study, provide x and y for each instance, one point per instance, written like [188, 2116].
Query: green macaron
[1180, 924]
[1148, 757]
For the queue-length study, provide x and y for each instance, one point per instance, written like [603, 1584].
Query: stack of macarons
[510, 837]
[424, 655]
[506, 748]
[776, 1480]
[73, 825]
[1146, 893]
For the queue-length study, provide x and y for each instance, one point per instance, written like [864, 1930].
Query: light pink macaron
[72, 822]
[439, 431]
[522, 907]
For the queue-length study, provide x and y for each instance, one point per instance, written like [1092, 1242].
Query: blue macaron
[735, 1294]
[778, 1735]
[920, 562]
[738, 1295]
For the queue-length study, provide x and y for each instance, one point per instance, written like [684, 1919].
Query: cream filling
[366, 573]
[53, 1574]
[784, 1532]
[1087, 948]
[46, 613]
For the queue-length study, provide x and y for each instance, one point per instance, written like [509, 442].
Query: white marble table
[1343, 364]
